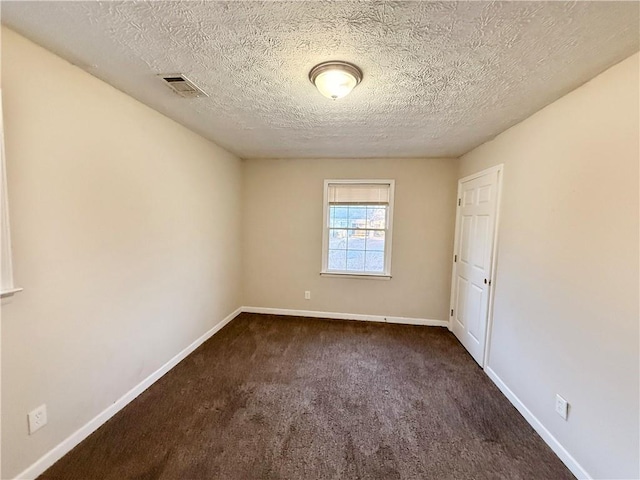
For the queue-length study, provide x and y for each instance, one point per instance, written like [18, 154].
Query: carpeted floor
[272, 397]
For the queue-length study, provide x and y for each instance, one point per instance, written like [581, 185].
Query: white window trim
[7, 287]
[388, 237]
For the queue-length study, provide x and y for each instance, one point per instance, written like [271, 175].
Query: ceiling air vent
[182, 86]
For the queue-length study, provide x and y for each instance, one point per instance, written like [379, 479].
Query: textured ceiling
[439, 77]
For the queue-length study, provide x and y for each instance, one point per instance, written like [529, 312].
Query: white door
[473, 259]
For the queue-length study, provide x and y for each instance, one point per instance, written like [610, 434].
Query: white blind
[358, 193]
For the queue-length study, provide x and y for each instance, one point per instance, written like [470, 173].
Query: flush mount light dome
[335, 79]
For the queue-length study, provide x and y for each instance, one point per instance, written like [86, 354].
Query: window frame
[7, 286]
[386, 275]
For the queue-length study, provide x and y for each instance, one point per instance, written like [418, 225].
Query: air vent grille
[182, 86]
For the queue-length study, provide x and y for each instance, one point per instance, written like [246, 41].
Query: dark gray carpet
[273, 397]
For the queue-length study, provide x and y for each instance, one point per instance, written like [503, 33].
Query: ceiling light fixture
[335, 79]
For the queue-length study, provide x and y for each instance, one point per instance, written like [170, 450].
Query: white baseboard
[546, 435]
[55, 454]
[347, 316]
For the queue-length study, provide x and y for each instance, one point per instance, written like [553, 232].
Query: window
[357, 227]
[6, 272]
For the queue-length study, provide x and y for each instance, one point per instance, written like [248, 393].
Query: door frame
[499, 169]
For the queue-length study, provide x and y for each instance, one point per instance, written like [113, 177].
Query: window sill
[364, 276]
[9, 292]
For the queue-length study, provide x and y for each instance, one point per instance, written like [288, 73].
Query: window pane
[375, 241]
[338, 239]
[374, 262]
[337, 260]
[338, 216]
[357, 217]
[356, 239]
[355, 260]
[376, 217]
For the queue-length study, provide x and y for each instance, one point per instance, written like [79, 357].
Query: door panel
[467, 197]
[475, 232]
[461, 301]
[465, 242]
[480, 241]
[474, 306]
[484, 194]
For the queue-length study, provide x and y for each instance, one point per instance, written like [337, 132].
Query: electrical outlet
[307, 295]
[562, 407]
[37, 418]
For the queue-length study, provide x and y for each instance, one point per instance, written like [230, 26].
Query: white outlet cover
[307, 295]
[562, 407]
[37, 418]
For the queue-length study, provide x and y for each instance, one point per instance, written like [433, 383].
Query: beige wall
[283, 237]
[126, 238]
[566, 300]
